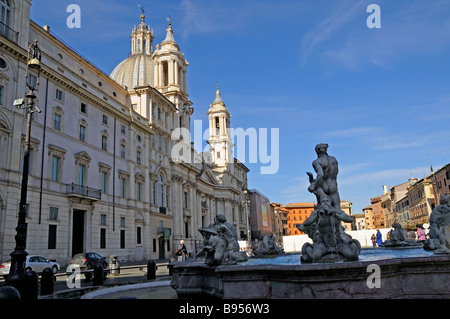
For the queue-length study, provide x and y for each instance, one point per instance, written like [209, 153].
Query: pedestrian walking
[379, 238]
[421, 234]
[374, 240]
[181, 251]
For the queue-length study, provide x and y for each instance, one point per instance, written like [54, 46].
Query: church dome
[136, 70]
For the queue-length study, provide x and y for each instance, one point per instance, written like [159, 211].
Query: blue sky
[312, 68]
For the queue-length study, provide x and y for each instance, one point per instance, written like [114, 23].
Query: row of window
[52, 238]
[52, 233]
[299, 211]
[295, 218]
[162, 143]
[160, 191]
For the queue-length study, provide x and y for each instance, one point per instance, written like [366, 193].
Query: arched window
[5, 9]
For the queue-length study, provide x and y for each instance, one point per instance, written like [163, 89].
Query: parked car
[4, 268]
[87, 261]
[33, 262]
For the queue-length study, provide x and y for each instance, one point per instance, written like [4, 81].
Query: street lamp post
[247, 210]
[16, 276]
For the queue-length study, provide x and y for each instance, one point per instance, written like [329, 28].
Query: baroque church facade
[103, 175]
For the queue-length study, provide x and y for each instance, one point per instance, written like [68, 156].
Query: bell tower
[170, 68]
[221, 146]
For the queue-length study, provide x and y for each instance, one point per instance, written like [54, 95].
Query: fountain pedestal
[413, 277]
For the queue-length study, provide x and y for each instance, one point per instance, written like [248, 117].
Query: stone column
[170, 71]
[160, 74]
[223, 125]
[228, 211]
[211, 127]
[88, 228]
[181, 79]
[156, 75]
[209, 216]
[175, 70]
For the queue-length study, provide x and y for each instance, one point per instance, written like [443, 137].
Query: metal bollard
[30, 286]
[47, 281]
[98, 275]
[114, 266]
[151, 269]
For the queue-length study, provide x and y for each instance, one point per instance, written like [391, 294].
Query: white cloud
[213, 16]
[209, 17]
[379, 138]
[390, 177]
[342, 13]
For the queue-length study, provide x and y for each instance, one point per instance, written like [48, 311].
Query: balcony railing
[9, 33]
[83, 191]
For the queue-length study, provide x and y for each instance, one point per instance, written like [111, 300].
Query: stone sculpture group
[220, 243]
[268, 247]
[439, 234]
[323, 226]
[398, 237]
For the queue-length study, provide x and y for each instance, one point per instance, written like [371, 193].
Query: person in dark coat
[181, 250]
[379, 238]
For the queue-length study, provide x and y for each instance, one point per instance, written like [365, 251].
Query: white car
[33, 262]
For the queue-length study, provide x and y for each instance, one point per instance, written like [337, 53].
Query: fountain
[439, 235]
[333, 267]
[268, 247]
[220, 243]
[323, 226]
[399, 238]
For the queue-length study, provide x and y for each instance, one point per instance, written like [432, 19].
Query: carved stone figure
[220, 243]
[323, 226]
[439, 234]
[325, 183]
[399, 237]
[268, 246]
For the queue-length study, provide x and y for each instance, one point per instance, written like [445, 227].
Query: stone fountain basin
[401, 273]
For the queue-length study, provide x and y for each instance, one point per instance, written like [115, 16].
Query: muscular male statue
[326, 167]
[323, 226]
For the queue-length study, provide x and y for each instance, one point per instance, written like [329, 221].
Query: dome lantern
[137, 69]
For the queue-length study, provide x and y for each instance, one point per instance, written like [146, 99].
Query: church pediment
[207, 176]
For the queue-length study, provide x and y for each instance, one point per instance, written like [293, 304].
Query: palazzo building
[102, 176]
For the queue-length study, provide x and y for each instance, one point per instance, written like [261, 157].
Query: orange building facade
[297, 213]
